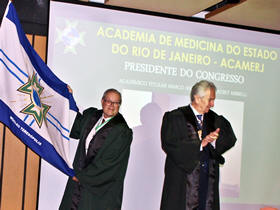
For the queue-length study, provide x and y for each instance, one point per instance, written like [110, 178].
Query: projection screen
[154, 61]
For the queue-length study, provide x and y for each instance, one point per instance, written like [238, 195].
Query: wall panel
[1, 145]
[31, 180]
[13, 173]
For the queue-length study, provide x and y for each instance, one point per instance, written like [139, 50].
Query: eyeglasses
[114, 103]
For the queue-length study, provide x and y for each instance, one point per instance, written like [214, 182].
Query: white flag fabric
[34, 103]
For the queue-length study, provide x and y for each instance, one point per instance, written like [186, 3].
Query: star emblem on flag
[36, 108]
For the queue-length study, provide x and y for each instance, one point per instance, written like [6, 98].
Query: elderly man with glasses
[101, 158]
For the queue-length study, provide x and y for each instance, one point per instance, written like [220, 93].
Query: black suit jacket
[102, 170]
[181, 144]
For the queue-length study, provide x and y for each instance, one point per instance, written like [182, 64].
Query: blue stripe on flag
[31, 123]
[58, 130]
[67, 130]
[13, 63]
[25, 118]
[9, 70]
[32, 139]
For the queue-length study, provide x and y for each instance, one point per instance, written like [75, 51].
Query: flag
[34, 103]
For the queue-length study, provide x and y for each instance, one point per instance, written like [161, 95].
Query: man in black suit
[194, 139]
[101, 158]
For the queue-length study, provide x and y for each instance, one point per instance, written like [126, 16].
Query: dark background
[33, 15]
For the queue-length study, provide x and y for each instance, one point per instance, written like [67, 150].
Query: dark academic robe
[181, 143]
[101, 171]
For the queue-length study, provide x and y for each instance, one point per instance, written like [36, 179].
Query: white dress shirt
[98, 125]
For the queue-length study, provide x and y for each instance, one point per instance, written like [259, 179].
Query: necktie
[199, 117]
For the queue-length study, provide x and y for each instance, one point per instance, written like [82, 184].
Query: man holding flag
[101, 159]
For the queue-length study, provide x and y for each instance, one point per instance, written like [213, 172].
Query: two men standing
[193, 138]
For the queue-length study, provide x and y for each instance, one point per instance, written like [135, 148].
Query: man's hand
[75, 179]
[70, 89]
[210, 137]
